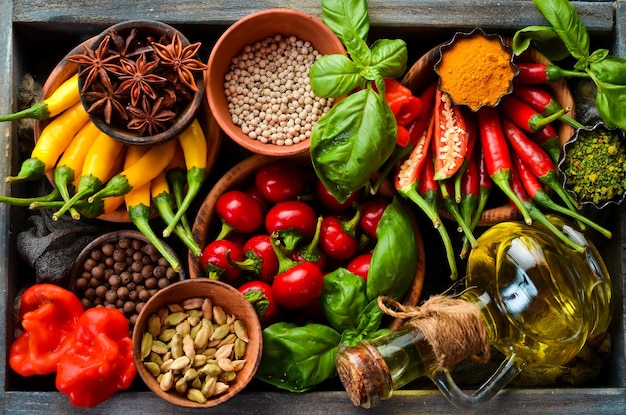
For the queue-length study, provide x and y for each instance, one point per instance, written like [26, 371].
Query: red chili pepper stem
[411, 193]
[451, 207]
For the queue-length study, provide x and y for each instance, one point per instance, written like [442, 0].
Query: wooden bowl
[66, 69]
[136, 284]
[422, 73]
[207, 223]
[233, 303]
[184, 115]
[249, 30]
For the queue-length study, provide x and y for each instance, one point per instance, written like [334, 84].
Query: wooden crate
[36, 34]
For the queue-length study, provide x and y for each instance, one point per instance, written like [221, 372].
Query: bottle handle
[507, 370]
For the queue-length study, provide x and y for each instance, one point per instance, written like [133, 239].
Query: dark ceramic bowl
[565, 161]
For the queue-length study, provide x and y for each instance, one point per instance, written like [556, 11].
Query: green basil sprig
[354, 139]
[568, 36]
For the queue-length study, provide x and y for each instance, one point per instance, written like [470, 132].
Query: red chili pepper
[497, 155]
[48, 314]
[534, 189]
[524, 116]
[261, 296]
[470, 188]
[542, 101]
[539, 73]
[100, 359]
[403, 136]
[470, 136]
[409, 111]
[396, 95]
[536, 159]
[518, 189]
[549, 140]
[449, 137]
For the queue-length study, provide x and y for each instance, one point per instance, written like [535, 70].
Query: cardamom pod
[196, 395]
[146, 344]
[167, 381]
[175, 318]
[154, 325]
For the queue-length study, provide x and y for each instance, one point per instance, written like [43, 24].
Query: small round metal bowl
[180, 297]
[249, 31]
[481, 81]
[565, 166]
[146, 31]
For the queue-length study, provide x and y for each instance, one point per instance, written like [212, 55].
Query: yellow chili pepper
[138, 207]
[99, 166]
[162, 199]
[194, 145]
[65, 96]
[139, 173]
[52, 142]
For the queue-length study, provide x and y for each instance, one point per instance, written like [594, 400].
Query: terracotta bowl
[422, 74]
[185, 114]
[207, 223]
[126, 286]
[66, 69]
[249, 30]
[233, 303]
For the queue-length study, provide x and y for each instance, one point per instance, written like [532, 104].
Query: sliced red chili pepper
[449, 137]
[497, 155]
[536, 159]
[542, 101]
[524, 116]
[534, 189]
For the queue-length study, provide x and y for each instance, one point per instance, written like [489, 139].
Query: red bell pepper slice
[48, 314]
[100, 360]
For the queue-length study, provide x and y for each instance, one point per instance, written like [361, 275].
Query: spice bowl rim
[245, 31]
[202, 288]
[183, 118]
[567, 146]
[468, 35]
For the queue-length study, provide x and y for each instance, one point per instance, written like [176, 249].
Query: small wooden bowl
[184, 116]
[422, 74]
[233, 303]
[249, 30]
[206, 224]
[66, 69]
[113, 238]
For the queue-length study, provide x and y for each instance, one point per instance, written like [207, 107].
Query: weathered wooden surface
[420, 22]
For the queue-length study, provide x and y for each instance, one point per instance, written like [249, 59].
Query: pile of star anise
[139, 82]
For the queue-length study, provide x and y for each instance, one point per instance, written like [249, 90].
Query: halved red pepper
[450, 141]
[99, 361]
[48, 314]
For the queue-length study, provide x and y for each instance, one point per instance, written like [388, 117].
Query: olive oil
[538, 300]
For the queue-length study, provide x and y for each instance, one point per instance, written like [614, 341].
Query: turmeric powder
[476, 70]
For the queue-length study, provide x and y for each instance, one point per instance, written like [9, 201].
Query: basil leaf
[611, 104]
[394, 260]
[564, 18]
[358, 49]
[370, 319]
[352, 141]
[333, 76]
[343, 16]
[545, 40]
[297, 358]
[343, 299]
[611, 69]
[389, 57]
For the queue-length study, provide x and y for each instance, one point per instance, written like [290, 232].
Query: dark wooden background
[34, 35]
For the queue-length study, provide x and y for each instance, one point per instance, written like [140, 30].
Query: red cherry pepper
[49, 315]
[279, 180]
[311, 252]
[449, 137]
[239, 212]
[258, 258]
[338, 237]
[524, 116]
[293, 220]
[497, 155]
[100, 359]
[542, 101]
[297, 283]
[261, 296]
[330, 202]
[360, 265]
[371, 212]
[217, 259]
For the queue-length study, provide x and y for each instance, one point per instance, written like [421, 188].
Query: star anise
[128, 46]
[104, 99]
[96, 64]
[150, 117]
[181, 59]
[138, 77]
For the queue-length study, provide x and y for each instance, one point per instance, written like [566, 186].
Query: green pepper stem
[541, 218]
[37, 111]
[87, 185]
[195, 180]
[28, 201]
[31, 169]
[177, 179]
[117, 186]
[501, 178]
[451, 207]
[164, 205]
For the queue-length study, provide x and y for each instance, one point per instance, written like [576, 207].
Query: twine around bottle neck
[453, 327]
